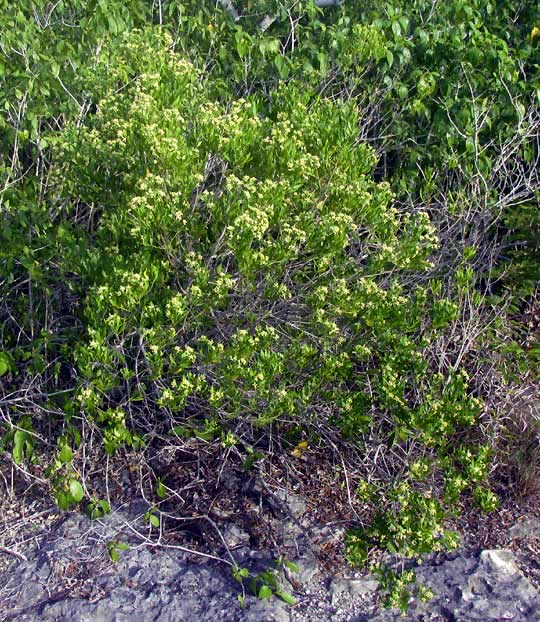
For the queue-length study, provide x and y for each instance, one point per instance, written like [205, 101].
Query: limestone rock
[354, 587]
[473, 587]
[71, 578]
[526, 528]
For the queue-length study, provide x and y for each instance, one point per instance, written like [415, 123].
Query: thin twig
[16, 554]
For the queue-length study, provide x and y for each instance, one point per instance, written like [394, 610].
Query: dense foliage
[259, 226]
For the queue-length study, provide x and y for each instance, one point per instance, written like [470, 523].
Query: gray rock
[498, 561]
[354, 587]
[295, 504]
[308, 567]
[523, 529]
[71, 578]
[235, 536]
[473, 587]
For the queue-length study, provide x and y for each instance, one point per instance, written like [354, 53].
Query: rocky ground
[63, 571]
[61, 566]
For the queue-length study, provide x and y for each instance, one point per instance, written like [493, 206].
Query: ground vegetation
[265, 232]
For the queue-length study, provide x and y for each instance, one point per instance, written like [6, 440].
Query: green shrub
[189, 263]
[241, 271]
[247, 264]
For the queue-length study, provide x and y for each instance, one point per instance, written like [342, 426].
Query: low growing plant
[267, 583]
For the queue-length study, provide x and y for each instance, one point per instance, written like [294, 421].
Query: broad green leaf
[76, 490]
[97, 508]
[4, 363]
[265, 592]
[17, 454]
[286, 597]
[282, 66]
[66, 454]
[112, 547]
[19, 439]
[161, 491]
[291, 566]
[62, 500]
[323, 62]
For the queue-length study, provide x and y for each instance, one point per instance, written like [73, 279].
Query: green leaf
[182, 430]
[76, 490]
[92, 511]
[114, 25]
[265, 592]
[154, 520]
[5, 363]
[62, 500]
[66, 454]
[248, 462]
[17, 454]
[160, 490]
[19, 439]
[291, 566]
[268, 578]
[282, 66]
[403, 91]
[206, 434]
[104, 505]
[242, 43]
[286, 597]
[97, 508]
[240, 573]
[323, 62]
[391, 548]
[112, 547]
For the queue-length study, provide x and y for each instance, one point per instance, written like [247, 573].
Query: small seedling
[114, 547]
[151, 517]
[267, 583]
[97, 508]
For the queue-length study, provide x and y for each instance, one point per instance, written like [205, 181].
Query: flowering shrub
[241, 271]
[241, 266]
[189, 263]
